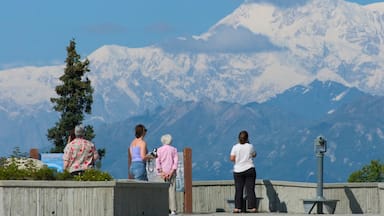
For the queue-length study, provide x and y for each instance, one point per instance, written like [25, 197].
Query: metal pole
[319, 191]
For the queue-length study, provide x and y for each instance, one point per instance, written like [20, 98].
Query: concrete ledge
[61, 184]
[287, 197]
[129, 197]
[108, 198]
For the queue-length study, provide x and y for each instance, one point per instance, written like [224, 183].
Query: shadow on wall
[353, 203]
[274, 201]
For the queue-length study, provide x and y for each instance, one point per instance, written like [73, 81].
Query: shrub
[11, 170]
[374, 172]
[65, 175]
[94, 175]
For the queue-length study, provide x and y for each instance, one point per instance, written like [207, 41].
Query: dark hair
[140, 130]
[243, 137]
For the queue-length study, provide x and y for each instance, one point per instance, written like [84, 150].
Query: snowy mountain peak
[258, 51]
[378, 7]
[336, 36]
[114, 52]
[28, 85]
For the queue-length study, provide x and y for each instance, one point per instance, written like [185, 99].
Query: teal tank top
[136, 154]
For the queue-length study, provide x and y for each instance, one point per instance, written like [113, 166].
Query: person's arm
[66, 158]
[143, 150]
[129, 163]
[232, 156]
[65, 165]
[129, 157]
[175, 162]
[253, 152]
[96, 155]
[158, 162]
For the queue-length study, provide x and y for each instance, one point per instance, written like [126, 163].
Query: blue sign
[53, 160]
[180, 173]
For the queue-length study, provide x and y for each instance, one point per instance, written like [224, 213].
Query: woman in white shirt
[244, 172]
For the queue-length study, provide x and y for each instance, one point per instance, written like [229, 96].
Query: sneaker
[173, 213]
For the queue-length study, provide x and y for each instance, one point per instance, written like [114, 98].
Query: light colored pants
[172, 193]
[171, 190]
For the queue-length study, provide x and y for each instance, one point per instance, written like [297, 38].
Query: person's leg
[134, 170]
[239, 185]
[143, 172]
[172, 193]
[250, 178]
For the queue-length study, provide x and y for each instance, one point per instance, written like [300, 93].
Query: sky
[36, 33]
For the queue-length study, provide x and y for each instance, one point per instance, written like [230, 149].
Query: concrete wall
[129, 197]
[381, 197]
[281, 196]
[356, 198]
[109, 198]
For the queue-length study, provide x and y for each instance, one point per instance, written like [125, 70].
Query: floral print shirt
[79, 155]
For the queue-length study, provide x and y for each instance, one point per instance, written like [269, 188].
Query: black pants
[245, 179]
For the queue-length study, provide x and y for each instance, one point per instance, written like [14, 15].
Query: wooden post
[34, 153]
[187, 180]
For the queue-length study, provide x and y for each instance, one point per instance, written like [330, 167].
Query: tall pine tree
[74, 99]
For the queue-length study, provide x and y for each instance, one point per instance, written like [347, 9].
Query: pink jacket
[167, 159]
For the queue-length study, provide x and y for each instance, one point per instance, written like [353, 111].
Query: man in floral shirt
[80, 154]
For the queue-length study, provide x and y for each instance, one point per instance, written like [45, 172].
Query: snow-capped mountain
[260, 54]
[330, 39]
[260, 49]
[379, 7]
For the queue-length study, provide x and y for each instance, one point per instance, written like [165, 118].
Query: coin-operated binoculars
[320, 145]
[320, 148]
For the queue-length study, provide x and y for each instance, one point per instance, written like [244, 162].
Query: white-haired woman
[166, 166]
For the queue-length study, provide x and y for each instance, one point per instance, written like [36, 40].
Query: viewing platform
[128, 197]
[122, 197]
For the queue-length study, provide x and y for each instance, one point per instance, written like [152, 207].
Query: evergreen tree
[373, 172]
[74, 99]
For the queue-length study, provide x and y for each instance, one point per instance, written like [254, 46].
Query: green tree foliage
[374, 172]
[74, 99]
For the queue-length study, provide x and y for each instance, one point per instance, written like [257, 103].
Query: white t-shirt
[243, 157]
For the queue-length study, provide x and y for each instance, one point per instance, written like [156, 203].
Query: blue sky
[37, 32]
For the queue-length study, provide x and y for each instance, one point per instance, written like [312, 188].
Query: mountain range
[285, 74]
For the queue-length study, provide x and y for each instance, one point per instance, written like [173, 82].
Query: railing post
[187, 180]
